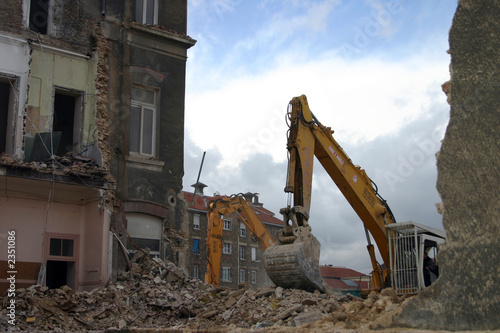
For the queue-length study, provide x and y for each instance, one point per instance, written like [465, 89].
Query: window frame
[253, 276]
[12, 83]
[227, 248]
[196, 271]
[78, 113]
[242, 254]
[144, 3]
[142, 105]
[198, 247]
[242, 275]
[227, 225]
[196, 221]
[226, 274]
[142, 218]
[243, 230]
[253, 253]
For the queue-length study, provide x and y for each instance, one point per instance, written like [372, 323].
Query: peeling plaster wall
[467, 294]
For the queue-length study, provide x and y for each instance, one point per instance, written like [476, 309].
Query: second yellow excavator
[293, 262]
[223, 206]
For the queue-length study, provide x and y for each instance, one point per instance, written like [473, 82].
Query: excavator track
[294, 265]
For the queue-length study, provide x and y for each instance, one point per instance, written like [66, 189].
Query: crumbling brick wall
[8, 21]
[466, 296]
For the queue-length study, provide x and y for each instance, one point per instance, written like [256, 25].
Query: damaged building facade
[92, 127]
[241, 260]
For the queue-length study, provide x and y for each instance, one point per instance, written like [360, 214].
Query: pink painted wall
[27, 217]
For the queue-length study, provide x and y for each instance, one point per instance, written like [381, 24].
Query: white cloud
[361, 100]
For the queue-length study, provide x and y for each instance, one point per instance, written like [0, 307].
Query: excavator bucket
[295, 265]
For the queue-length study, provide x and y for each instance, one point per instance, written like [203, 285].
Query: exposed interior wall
[33, 219]
[62, 73]
[14, 67]
[466, 295]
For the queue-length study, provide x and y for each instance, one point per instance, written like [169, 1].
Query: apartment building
[241, 260]
[91, 129]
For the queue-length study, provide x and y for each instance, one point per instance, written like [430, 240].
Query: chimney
[198, 188]
[256, 202]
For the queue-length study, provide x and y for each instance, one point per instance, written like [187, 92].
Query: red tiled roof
[334, 276]
[339, 272]
[267, 216]
[201, 202]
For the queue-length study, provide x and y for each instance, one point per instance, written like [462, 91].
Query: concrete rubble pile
[157, 294]
[67, 165]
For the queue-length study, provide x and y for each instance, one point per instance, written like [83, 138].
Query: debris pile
[157, 294]
[65, 165]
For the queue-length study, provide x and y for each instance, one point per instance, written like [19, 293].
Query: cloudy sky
[372, 71]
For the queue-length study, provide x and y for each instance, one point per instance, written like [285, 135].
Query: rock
[288, 312]
[121, 324]
[278, 293]
[306, 317]
[309, 301]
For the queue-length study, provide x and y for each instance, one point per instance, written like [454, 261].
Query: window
[61, 247]
[196, 221]
[39, 16]
[196, 271]
[253, 276]
[66, 104]
[61, 260]
[226, 273]
[145, 231]
[226, 249]
[143, 122]
[254, 253]
[242, 252]
[196, 246]
[243, 230]
[146, 11]
[5, 101]
[227, 225]
[242, 275]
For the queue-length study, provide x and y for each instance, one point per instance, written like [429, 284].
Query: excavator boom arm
[246, 214]
[307, 139]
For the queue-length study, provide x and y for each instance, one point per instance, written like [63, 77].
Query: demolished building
[92, 127]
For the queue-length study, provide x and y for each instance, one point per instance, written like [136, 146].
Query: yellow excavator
[246, 214]
[293, 262]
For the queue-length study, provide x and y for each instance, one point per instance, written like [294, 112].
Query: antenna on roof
[199, 174]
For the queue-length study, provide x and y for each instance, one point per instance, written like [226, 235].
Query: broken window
[8, 92]
[4, 113]
[63, 121]
[146, 12]
[145, 232]
[39, 16]
[143, 122]
[254, 276]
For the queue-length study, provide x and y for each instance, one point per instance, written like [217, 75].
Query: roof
[339, 272]
[342, 278]
[201, 203]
